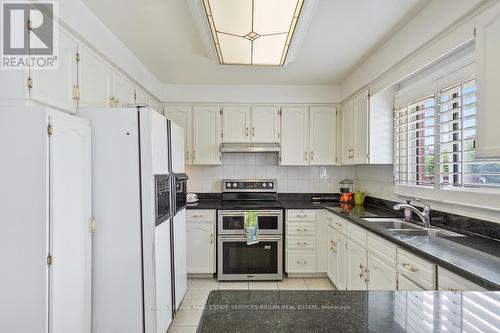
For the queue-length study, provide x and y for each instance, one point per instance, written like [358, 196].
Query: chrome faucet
[425, 214]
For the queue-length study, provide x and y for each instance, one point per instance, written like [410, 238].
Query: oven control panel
[239, 185]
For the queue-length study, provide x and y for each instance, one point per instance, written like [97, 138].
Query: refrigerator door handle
[172, 194]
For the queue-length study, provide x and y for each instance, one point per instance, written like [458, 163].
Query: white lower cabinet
[356, 266]
[381, 274]
[341, 274]
[331, 270]
[406, 284]
[452, 282]
[300, 254]
[200, 229]
[382, 266]
[419, 271]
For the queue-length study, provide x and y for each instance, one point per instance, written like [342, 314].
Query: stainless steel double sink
[404, 228]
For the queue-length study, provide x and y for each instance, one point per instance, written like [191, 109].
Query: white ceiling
[163, 35]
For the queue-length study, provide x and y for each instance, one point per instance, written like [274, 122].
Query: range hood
[249, 147]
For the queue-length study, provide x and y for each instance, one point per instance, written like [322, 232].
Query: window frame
[477, 197]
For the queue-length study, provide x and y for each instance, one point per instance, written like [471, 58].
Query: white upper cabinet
[355, 130]
[347, 133]
[488, 83]
[361, 128]
[295, 136]
[55, 87]
[122, 91]
[236, 122]
[95, 80]
[265, 124]
[250, 124]
[322, 135]
[140, 97]
[308, 136]
[206, 135]
[182, 115]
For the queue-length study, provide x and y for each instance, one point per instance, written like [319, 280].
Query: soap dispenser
[408, 212]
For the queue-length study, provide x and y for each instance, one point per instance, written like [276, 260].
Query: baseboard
[306, 275]
[200, 275]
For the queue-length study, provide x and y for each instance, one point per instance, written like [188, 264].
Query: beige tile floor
[191, 308]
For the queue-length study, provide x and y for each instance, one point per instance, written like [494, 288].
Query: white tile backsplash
[291, 179]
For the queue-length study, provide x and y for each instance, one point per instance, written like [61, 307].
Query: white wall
[291, 179]
[414, 37]
[250, 94]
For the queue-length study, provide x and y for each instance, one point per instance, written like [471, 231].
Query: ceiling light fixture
[252, 32]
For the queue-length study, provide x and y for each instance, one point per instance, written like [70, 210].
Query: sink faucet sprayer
[425, 214]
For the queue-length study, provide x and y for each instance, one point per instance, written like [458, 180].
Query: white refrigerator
[133, 188]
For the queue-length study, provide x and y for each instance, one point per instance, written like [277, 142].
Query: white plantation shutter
[458, 166]
[414, 146]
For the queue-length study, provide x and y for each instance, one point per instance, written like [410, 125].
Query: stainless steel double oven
[236, 259]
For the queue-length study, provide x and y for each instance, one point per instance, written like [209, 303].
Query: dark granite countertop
[349, 311]
[204, 204]
[475, 258]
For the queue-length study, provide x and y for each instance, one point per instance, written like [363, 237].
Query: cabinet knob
[253, 131]
[246, 131]
[305, 156]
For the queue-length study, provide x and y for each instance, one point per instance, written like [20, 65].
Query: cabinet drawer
[331, 220]
[301, 262]
[340, 224]
[301, 215]
[297, 242]
[451, 282]
[302, 228]
[416, 269]
[357, 234]
[382, 248]
[200, 215]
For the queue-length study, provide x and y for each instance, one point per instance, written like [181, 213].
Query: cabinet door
[236, 125]
[200, 247]
[347, 132]
[339, 133]
[332, 255]
[206, 135]
[322, 135]
[356, 264]
[140, 97]
[406, 284]
[381, 275]
[70, 238]
[182, 115]
[55, 87]
[95, 81]
[488, 83]
[361, 129]
[265, 124]
[295, 136]
[341, 273]
[122, 90]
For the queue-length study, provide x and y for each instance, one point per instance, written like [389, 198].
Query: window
[414, 142]
[458, 164]
[448, 118]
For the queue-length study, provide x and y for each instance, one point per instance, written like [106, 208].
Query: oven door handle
[239, 239]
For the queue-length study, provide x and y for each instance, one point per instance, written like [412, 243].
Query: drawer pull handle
[409, 267]
[301, 262]
[333, 248]
[301, 243]
[452, 289]
[302, 230]
[361, 272]
[301, 215]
